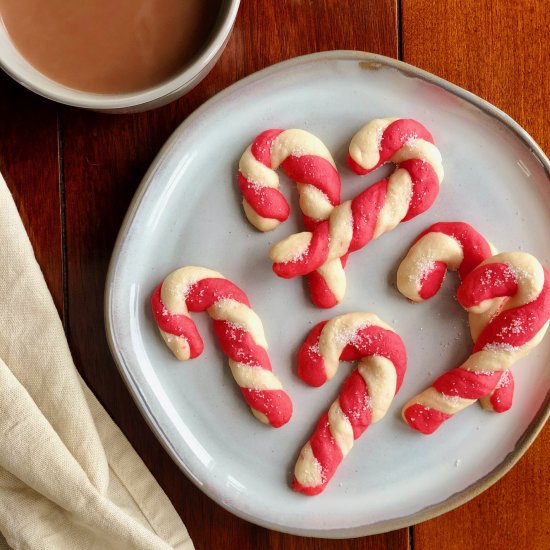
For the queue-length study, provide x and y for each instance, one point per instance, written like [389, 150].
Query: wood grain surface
[499, 51]
[73, 174]
[30, 165]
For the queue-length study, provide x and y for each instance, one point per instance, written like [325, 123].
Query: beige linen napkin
[69, 479]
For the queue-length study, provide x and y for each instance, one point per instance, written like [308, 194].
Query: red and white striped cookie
[515, 328]
[410, 190]
[444, 245]
[364, 398]
[306, 160]
[455, 246]
[238, 328]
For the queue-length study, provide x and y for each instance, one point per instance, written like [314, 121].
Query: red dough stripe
[315, 171]
[354, 402]
[268, 202]
[431, 282]
[239, 345]
[513, 327]
[321, 293]
[375, 340]
[314, 257]
[488, 281]
[517, 326]
[356, 167]
[425, 186]
[275, 405]
[365, 209]
[206, 292]
[325, 449]
[502, 397]
[311, 365]
[261, 146]
[466, 384]
[397, 134]
[424, 419]
[179, 325]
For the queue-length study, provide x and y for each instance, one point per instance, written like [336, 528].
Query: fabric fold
[68, 476]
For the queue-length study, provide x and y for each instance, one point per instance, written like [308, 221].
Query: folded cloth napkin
[69, 479]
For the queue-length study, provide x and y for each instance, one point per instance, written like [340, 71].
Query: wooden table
[73, 174]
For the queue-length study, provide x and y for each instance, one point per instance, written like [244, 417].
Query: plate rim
[373, 62]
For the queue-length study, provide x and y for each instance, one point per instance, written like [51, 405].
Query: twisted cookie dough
[239, 331]
[456, 246]
[514, 329]
[364, 397]
[305, 160]
[409, 191]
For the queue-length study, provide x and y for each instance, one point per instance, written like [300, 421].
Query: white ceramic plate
[187, 212]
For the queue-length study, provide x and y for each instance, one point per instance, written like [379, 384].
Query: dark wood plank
[29, 164]
[499, 51]
[105, 158]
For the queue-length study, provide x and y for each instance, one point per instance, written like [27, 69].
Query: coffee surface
[109, 46]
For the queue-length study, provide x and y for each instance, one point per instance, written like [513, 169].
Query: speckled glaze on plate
[187, 212]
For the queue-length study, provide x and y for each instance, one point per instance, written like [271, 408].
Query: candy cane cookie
[410, 190]
[455, 246]
[304, 159]
[444, 245]
[512, 332]
[238, 329]
[364, 398]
